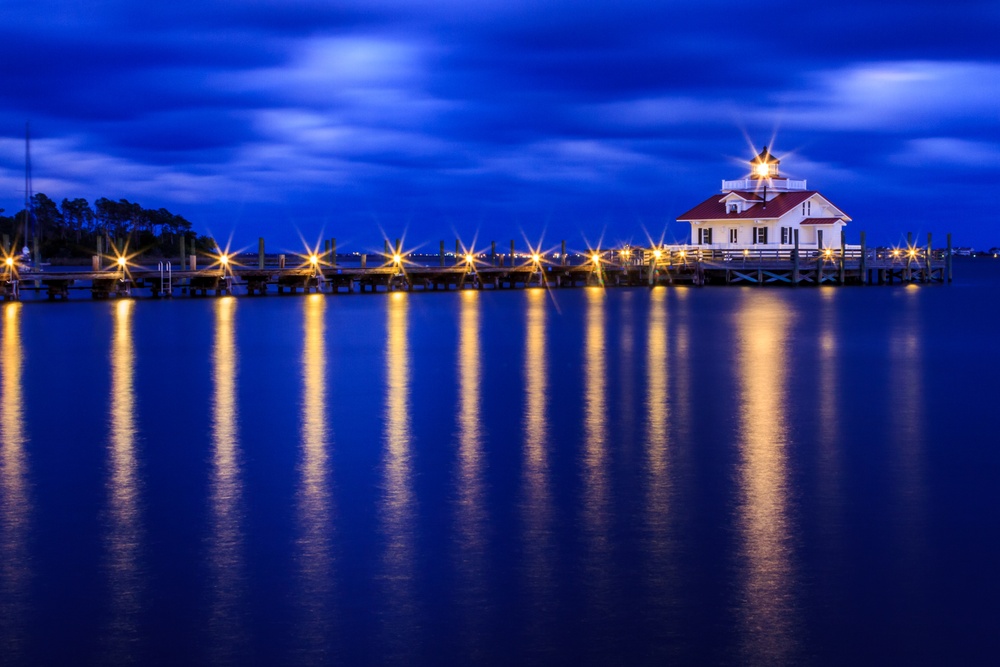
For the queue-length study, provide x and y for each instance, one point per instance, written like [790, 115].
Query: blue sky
[500, 120]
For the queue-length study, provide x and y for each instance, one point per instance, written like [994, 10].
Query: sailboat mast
[27, 185]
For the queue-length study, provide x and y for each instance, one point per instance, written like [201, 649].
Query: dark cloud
[581, 118]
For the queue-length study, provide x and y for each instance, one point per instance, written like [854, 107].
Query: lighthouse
[766, 211]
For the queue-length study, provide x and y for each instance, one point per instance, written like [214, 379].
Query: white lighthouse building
[765, 211]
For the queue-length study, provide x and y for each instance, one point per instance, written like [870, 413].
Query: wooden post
[493, 253]
[281, 261]
[927, 260]
[947, 259]
[38, 255]
[193, 261]
[863, 263]
[387, 253]
[260, 253]
[795, 257]
[909, 257]
[512, 258]
[562, 254]
[183, 253]
[333, 252]
[442, 253]
[843, 251]
[364, 264]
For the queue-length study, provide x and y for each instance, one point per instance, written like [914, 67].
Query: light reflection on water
[15, 503]
[226, 538]
[658, 458]
[828, 408]
[398, 504]
[536, 505]
[124, 536]
[769, 632]
[595, 460]
[315, 511]
[471, 516]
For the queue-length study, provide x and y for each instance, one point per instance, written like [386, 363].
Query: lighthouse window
[760, 235]
[734, 208]
[806, 208]
[705, 236]
[733, 235]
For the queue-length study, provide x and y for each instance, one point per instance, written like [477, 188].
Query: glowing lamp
[683, 254]
[224, 260]
[762, 169]
[595, 258]
[313, 259]
[828, 252]
[913, 253]
[536, 258]
[121, 262]
[468, 258]
[397, 258]
[895, 252]
[657, 253]
[9, 261]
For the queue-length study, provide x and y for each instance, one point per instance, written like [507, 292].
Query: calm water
[713, 475]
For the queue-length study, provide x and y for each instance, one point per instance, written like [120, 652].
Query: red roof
[820, 221]
[749, 196]
[714, 208]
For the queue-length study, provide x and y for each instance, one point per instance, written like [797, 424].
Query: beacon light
[763, 169]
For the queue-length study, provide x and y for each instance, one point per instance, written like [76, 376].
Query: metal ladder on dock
[166, 279]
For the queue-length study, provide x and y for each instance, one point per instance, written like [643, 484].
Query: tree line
[72, 227]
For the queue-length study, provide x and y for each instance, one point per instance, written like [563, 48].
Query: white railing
[776, 184]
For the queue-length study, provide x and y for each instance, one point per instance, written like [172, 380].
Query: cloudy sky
[499, 120]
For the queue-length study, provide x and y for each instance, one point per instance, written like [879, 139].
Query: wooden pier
[618, 267]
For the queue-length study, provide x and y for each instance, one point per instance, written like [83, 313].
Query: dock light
[121, 262]
[657, 253]
[683, 254]
[9, 262]
[828, 252]
[913, 253]
[313, 259]
[536, 258]
[746, 252]
[895, 252]
[223, 259]
[626, 253]
[595, 258]
[397, 258]
[468, 258]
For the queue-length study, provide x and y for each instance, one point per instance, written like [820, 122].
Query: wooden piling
[795, 257]
[927, 260]
[260, 253]
[183, 253]
[364, 264]
[512, 258]
[562, 254]
[193, 261]
[442, 255]
[863, 265]
[281, 261]
[843, 252]
[909, 256]
[493, 253]
[947, 259]
[333, 252]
